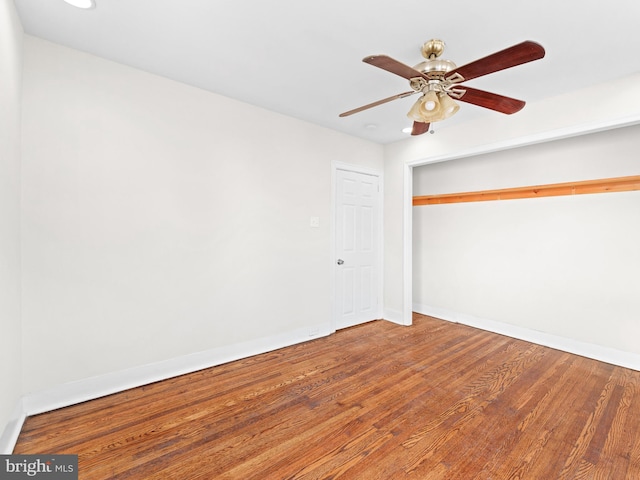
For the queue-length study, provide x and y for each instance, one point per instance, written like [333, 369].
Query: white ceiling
[303, 58]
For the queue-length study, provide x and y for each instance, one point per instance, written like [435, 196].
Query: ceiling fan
[439, 81]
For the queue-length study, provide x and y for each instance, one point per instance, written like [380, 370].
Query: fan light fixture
[433, 107]
[86, 4]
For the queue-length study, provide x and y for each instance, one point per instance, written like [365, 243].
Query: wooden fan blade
[509, 57]
[493, 101]
[419, 128]
[394, 66]
[375, 104]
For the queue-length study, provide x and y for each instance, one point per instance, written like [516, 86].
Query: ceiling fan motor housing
[436, 67]
[433, 66]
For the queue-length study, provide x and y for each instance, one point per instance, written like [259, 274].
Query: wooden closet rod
[603, 185]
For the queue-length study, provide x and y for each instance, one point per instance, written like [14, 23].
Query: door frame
[335, 166]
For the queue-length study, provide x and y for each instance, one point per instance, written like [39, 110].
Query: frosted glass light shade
[433, 107]
[427, 109]
[414, 113]
[449, 107]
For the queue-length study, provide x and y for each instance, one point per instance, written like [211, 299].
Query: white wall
[393, 246]
[161, 220]
[566, 266]
[586, 110]
[10, 338]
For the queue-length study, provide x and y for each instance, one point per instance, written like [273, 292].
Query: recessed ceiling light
[82, 3]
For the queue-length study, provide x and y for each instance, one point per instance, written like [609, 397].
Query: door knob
[340, 261]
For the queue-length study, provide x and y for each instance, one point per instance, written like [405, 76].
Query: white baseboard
[12, 429]
[91, 388]
[589, 350]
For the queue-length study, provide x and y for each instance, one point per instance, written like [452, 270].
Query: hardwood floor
[379, 401]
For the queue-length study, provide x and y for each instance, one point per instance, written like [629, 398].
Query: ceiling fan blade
[524, 52]
[419, 128]
[489, 100]
[394, 66]
[375, 104]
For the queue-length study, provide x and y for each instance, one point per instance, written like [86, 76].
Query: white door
[357, 266]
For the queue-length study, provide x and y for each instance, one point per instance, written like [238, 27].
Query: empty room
[360, 240]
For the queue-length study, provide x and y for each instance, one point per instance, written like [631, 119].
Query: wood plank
[434, 400]
[606, 185]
